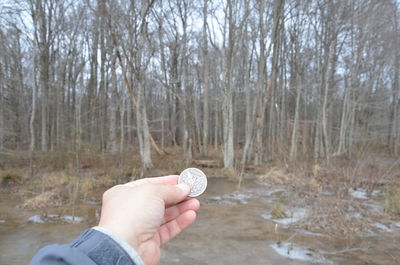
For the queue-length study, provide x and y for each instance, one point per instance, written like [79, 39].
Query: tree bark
[205, 80]
[113, 141]
[227, 110]
[293, 142]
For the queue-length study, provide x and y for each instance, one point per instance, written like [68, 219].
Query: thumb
[173, 194]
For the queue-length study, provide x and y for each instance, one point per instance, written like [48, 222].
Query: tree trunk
[44, 64]
[249, 115]
[31, 125]
[216, 125]
[113, 142]
[293, 142]
[2, 106]
[324, 116]
[261, 93]
[143, 128]
[227, 110]
[205, 80]
[122, 125]
[395, 130]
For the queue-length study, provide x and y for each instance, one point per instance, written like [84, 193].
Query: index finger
[166, 180]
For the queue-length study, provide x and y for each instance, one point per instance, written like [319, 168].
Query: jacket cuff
[105, 248]
[123, 244]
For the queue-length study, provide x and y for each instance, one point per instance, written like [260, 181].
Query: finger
[176, 210]
[171, 194]
[166, 180]
[171, 229]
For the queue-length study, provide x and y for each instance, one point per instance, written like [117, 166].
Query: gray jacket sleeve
[92, 247]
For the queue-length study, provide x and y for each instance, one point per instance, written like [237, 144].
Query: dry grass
[278, 212]
[44, 200]
[336, 216]
[309, 180]
[277, 176]
[10, 177]
[59, 188]
[323, 189]
[392, 201]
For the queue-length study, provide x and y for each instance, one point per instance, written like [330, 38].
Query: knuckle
[149, 188]
[108, 193]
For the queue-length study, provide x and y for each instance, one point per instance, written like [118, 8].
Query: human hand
[148, 212]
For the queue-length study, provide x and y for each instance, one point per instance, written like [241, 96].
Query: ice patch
[355, 215]
[382, 227]
[54, 219]
[328, 193]
[306, 232]
[237, 197]
[293, 251]
[377, 193]
[263, 183]
[374, 207]
[92, 201]
[272, 192]
[358, 193]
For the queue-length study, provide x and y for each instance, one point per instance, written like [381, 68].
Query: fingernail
[185, 188]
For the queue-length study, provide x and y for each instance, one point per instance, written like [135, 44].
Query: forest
[273, 79]
[292, 107]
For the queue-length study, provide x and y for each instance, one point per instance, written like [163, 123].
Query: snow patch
[382, 227]
[293, 251]
[377, 193]
[306, 232]
[358, 193]
[55, 219]
[236, 197]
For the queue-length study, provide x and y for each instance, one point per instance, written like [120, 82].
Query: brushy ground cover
[64, 178]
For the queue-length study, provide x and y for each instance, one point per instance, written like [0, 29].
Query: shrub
[278, 212]
[392, 200]
[9, 178]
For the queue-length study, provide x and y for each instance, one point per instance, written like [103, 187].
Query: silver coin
[195, 179]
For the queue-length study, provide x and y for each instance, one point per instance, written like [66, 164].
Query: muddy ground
[234, 226]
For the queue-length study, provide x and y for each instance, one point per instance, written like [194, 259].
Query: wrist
[132, 249]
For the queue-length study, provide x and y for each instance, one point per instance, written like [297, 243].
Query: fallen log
[206, 163]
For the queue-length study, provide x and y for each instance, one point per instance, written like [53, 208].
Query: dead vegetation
[278, 212]
[324, 189]
[10, 178]
[392, 201]
[44, 200]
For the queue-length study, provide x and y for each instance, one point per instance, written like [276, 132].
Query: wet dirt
[230, 229]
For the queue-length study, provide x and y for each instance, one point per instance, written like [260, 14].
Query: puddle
[55, 219]
[296, 252]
